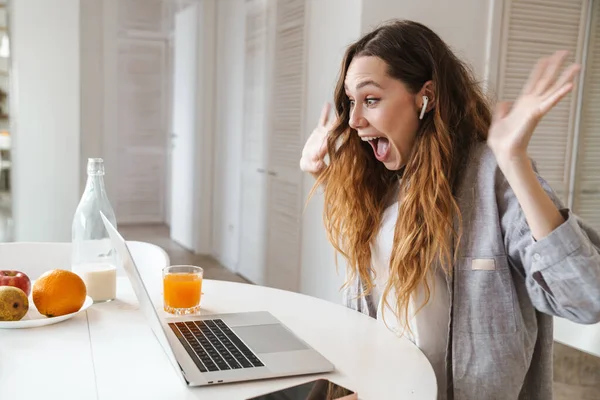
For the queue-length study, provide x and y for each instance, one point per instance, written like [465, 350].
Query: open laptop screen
[140, 290]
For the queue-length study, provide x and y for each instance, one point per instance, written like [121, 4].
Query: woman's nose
[357, 120]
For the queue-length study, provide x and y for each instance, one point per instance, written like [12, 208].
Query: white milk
[100, 280]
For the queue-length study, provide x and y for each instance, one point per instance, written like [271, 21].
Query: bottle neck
[95, 185]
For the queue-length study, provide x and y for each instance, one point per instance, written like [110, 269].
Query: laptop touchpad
[273, 338]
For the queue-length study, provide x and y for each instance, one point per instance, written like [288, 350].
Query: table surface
[110, 352]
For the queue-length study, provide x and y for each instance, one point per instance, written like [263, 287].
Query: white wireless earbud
[424, 107]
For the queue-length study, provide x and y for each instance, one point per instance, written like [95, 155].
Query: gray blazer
[506, 287]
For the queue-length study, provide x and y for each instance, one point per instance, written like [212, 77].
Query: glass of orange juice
[182, 287]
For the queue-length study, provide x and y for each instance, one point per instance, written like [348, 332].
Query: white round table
[110, 352]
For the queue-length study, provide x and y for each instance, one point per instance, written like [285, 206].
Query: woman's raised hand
[315, 149]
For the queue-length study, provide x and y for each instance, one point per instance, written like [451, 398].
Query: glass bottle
[94, 258]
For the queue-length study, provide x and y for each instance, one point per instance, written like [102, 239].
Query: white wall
[110, 97]
[92, 83]
[462, 24]
[45, 117]
[228, 131]
[205, 127]
[333, 24]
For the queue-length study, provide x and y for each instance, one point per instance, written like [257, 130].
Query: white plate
[33, 318]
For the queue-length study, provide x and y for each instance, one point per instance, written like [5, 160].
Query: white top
[430, 325]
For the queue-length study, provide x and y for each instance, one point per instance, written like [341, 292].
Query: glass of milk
[93, 257]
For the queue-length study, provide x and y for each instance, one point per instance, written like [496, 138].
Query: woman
[450, 236]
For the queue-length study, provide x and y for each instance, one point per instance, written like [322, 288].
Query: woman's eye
[352, 103]
[371, 102]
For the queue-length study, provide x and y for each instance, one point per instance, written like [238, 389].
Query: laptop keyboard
[213, 346]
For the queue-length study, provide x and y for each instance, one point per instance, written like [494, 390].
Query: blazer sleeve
[562, 270]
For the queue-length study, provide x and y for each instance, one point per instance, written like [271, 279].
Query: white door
[253, 212]
[273, 131]
[285, 145]
[134, 93]
[142, 128]
[185, 67]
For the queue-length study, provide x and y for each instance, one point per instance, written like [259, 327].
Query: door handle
[260, 170]
[272, 173]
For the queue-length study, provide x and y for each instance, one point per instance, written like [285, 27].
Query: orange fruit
[58, 292]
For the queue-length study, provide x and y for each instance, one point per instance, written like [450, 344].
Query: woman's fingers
[501, 110]
[555, 97]
[324, 114]
[568, 76]
[550, 72]
[535, 75]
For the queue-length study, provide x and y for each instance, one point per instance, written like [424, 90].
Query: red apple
[17, 279]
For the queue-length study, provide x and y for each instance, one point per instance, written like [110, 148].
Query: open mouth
[380, 145]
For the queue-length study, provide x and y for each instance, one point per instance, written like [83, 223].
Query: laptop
[222, 348]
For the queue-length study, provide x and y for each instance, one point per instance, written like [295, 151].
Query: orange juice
[182, 290]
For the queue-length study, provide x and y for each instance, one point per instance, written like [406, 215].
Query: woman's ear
[427, 90]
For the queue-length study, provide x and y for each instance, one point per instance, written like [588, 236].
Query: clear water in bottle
[93, 256]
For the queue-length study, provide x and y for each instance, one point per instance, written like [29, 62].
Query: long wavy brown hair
[357, 186]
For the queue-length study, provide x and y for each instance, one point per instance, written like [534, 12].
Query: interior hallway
[159, 235]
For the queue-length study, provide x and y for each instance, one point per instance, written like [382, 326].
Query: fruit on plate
[17, 279]
[58, 292]
[13, 303]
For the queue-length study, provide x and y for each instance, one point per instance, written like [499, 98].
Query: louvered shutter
[534, 29]
[288, 84]
[273, 132]
[255, 81]
[286, 134]
[586, 202]
[254, 201]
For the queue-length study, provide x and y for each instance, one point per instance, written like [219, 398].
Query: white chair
[35, 258]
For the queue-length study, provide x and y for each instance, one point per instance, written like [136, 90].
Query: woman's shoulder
[481, 156]
[480, 167]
